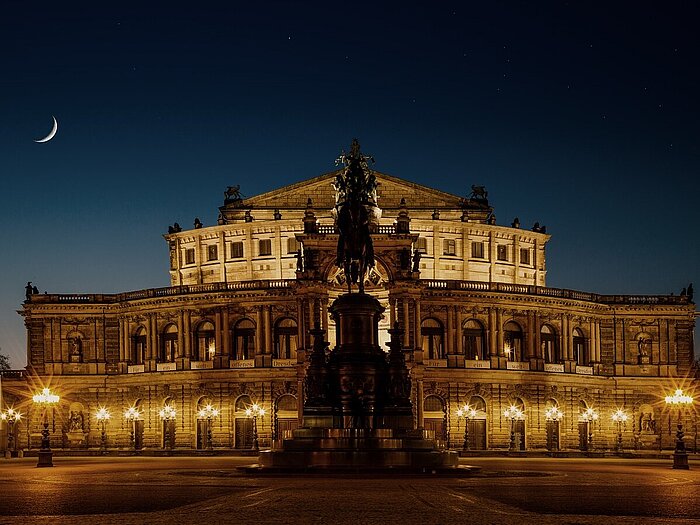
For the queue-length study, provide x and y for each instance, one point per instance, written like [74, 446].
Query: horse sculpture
[355, 195]
[355, 251]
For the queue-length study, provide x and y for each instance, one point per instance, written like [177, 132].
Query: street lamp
[514, 414]
[467, 413]
[103, 417]
[620, 417]
[12, 417]
[209, 413]
[589, 416]
[132, 414]
[679, 400]
[45, 399]
[553, 415]
[254, 411]
[168, 415]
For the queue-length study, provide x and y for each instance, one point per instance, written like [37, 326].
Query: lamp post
[103, 417]
[467, 413]
[11, 417]
[209, 413]
[514, 414]
[554, 415]
[679, 400]
[132, 414]
[589, 416]
[254, 411]
[620, 417]
[168, 415]
[45, 399]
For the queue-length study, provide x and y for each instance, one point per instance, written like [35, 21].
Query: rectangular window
[502, 252]
[189, 256]
[477, 250]
[421, 245]
[524, 256]
[265, 247]
[292, 245]
[448, 247]
[236, 250]
[212, 252]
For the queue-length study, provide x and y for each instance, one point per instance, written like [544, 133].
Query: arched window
[580, 348]
[549, 344]
[432, 338]
[473, 340]
[168, 348]
[285, 339]
[205, 347]
[434, 416]
[138, 346]
[286, 416]
[513, 341]
[244, 339]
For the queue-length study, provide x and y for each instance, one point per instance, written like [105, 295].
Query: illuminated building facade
[480, 327]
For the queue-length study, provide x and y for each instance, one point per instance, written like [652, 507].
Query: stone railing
[162, 292]
[480, 286]
[12, 374]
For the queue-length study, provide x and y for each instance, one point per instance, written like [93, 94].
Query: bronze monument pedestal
[357, 412]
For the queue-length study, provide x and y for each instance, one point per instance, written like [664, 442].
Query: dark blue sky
[581, 117]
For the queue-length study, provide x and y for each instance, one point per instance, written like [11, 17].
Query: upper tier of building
[457, 237]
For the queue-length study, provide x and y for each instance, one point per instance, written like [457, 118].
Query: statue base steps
[358, 449]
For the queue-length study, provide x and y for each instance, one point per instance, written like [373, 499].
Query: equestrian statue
[355, 212]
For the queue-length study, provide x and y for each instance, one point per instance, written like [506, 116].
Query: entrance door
[477, 434]
[583, 435]
[201, 434]
[553, 435]
[244, 433]
[436, 425]
[138, 434]
[285, 427]
[519, 427]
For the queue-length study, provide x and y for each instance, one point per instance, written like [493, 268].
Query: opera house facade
[542, 368]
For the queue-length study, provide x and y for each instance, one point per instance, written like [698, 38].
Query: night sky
[581, 117]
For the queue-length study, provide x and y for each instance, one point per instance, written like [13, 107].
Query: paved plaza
[210, 490]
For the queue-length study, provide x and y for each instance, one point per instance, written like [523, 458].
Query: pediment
[390, 192]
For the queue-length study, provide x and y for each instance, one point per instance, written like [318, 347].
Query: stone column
[406, 323]
[259, 340]
[153, 343]
[324, 315]
[419, 403]
[459, 323]
[186, 333]
[225, 338]
[301, 330]
[392, 312]
[180, 336]
[492, 331]
[450, 331]
[530, 334]
[217, 339]
[122, 341]
[416, 334]
[268, 329]
[499, 333]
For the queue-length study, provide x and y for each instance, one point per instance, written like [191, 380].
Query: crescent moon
[52, 133]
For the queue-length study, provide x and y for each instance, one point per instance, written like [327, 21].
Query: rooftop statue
[355, 210]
